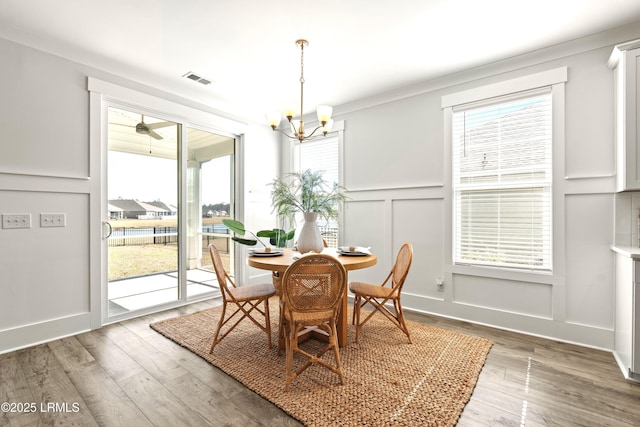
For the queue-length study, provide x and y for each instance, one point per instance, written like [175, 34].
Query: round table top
[281, 262]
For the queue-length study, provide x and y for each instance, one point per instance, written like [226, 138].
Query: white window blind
[323, 154]
[502, 182]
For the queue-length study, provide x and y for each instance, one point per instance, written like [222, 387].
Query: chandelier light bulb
[326, 128]
[273, 118]
[324, 113]
[289, 109]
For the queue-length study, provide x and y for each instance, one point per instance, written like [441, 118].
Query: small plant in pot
[308, 193]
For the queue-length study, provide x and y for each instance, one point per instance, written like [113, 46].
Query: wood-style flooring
[126, 374]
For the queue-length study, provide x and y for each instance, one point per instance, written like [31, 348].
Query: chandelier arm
[314, 131]
[286, 134]
[293, 128]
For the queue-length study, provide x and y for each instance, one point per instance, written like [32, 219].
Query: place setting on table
[354, 250]
[265, 252]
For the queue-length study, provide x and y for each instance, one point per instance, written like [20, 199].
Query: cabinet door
[635, 337]
[627, 75]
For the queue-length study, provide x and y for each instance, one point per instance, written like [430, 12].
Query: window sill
[531, 276]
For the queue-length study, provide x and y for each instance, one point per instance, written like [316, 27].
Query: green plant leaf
[306, 191]
[247, 242]
[235, 226]
[277, 237]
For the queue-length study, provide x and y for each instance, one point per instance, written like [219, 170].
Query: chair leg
[289, 343]
[401, 320]
[220, 323]
[356, 301]
[281, 329]
[396, 318]
[336, 351]
[267, 321]
[356, 313]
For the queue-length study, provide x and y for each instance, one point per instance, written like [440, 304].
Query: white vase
[310, 239]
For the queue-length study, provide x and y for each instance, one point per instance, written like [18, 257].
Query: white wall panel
[531, 299]
[589, 143]
[41, 134]
[420, 222]
[45, 271]
[394, 145]
[590, 262]
[366, 224]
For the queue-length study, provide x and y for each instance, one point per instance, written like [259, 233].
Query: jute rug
[388, 382]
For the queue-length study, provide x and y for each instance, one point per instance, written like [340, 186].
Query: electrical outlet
[53, 220]
[440, 284]
[16, 220]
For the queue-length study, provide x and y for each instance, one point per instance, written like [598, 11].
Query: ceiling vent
[196, 78]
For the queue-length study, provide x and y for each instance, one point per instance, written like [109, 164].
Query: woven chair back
[313, 283]
[401, 266]
[221, 273]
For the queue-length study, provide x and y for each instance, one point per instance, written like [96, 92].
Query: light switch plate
[53, 220]
[16, 220]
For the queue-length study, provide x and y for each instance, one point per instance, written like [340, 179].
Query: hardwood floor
[127, 374]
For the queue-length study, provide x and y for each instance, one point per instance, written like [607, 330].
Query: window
[323, 154]
[502, 181]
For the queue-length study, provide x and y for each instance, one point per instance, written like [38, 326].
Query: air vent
[196, 78]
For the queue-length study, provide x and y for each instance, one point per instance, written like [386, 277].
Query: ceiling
[122, 136]
[357, 48]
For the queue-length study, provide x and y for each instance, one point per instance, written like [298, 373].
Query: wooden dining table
[279, 264]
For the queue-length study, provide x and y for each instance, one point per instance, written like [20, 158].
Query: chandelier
[297, 131]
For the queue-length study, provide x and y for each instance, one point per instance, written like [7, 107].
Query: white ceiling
[357, 48]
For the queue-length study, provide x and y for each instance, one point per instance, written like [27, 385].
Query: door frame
[102, 95]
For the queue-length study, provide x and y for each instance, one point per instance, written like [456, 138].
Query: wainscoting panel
[532, 299]
[45, 271]
[366, 224]
[420, 222]
[589, 294]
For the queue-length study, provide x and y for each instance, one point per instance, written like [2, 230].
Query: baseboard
[42, 332]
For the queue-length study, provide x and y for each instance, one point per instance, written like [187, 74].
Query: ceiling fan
[148, 129]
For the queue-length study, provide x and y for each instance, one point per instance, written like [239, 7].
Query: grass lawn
[137, 260]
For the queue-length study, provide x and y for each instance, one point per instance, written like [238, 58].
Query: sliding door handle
[106, 226]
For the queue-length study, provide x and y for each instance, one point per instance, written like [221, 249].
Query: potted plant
[308, 193]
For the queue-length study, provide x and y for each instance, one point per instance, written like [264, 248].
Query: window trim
[554, 78]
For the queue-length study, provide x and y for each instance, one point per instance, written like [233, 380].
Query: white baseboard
[42, 332]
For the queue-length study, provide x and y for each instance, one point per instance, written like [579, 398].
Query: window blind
[502, 182]
[323, 154]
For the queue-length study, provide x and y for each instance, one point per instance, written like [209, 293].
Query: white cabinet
[627, 320]
[625, 60]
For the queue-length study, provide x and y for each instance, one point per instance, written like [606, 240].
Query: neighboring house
[166, 209]
[115, 212]
[135, 209]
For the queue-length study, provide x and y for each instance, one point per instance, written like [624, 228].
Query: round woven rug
[388, 382]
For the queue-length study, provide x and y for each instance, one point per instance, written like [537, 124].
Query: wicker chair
[247, 300]
[312, 289]
[378, 295]
[277, 283]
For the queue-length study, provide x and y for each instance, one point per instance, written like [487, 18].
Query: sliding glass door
[210, 169]
[169, 185]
